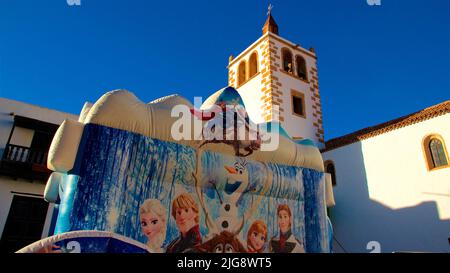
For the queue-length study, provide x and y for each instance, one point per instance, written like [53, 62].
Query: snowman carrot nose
[230, 169]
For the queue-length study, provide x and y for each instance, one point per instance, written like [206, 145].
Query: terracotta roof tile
[270, 25]
[422, 115]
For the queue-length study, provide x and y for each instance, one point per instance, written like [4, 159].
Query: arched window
[435, 152]
[300, 64]
[253, 65]
[242, 73]
[329, 168]
[287, 60]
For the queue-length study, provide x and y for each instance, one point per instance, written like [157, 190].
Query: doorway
[25, 223]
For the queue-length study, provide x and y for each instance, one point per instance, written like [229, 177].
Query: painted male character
[286, 242]
[185, 211]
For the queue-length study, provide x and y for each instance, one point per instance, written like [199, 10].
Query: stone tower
[274, 72]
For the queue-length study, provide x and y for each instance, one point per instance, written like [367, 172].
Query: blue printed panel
[117, 171]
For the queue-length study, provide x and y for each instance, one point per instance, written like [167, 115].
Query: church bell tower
[276, 73]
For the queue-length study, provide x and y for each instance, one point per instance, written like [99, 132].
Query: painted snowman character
[237, 182]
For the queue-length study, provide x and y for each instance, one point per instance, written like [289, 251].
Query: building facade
[26, 132]
[278, 81]
[392, 184]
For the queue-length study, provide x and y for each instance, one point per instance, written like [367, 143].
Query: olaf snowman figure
[237, 182]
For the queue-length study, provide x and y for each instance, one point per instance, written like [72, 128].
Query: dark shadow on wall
[358, 220]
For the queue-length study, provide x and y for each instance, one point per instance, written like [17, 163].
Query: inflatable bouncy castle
[170, 177]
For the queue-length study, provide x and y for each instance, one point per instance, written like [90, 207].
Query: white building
[392, 184]
[26, 132]
[274, 72]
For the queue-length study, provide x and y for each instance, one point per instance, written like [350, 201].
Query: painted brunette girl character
[256, 237]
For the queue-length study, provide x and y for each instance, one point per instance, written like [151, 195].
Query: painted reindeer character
[225, 242]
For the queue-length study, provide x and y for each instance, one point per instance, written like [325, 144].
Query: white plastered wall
[385, 192]
[296, 126]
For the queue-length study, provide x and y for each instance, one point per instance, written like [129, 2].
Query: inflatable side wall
[123, 184]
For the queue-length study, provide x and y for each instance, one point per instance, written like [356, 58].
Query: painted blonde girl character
[256, 237]
[153, 223]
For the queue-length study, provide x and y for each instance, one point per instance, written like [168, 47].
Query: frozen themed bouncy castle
[170, 177]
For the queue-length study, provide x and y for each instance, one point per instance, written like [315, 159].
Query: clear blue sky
[375, 63]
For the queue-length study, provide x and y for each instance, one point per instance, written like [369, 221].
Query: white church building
[391, 181]
[392, 184]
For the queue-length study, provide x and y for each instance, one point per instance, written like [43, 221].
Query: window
[329, 168]
[25, 153]
[242, 73]
[21, 136]
[287, 60]
[435, 152]
[298, 104]
[18, 148]
[24, 224]
[253, 65]
[300, 64]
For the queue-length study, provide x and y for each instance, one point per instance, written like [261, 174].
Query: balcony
[24, 162]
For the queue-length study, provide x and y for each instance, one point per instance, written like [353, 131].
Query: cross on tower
[269, 9]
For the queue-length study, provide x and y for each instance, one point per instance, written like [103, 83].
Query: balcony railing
[20, 161]
[16, 153]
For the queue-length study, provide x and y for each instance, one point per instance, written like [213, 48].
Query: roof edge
[401, 122]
